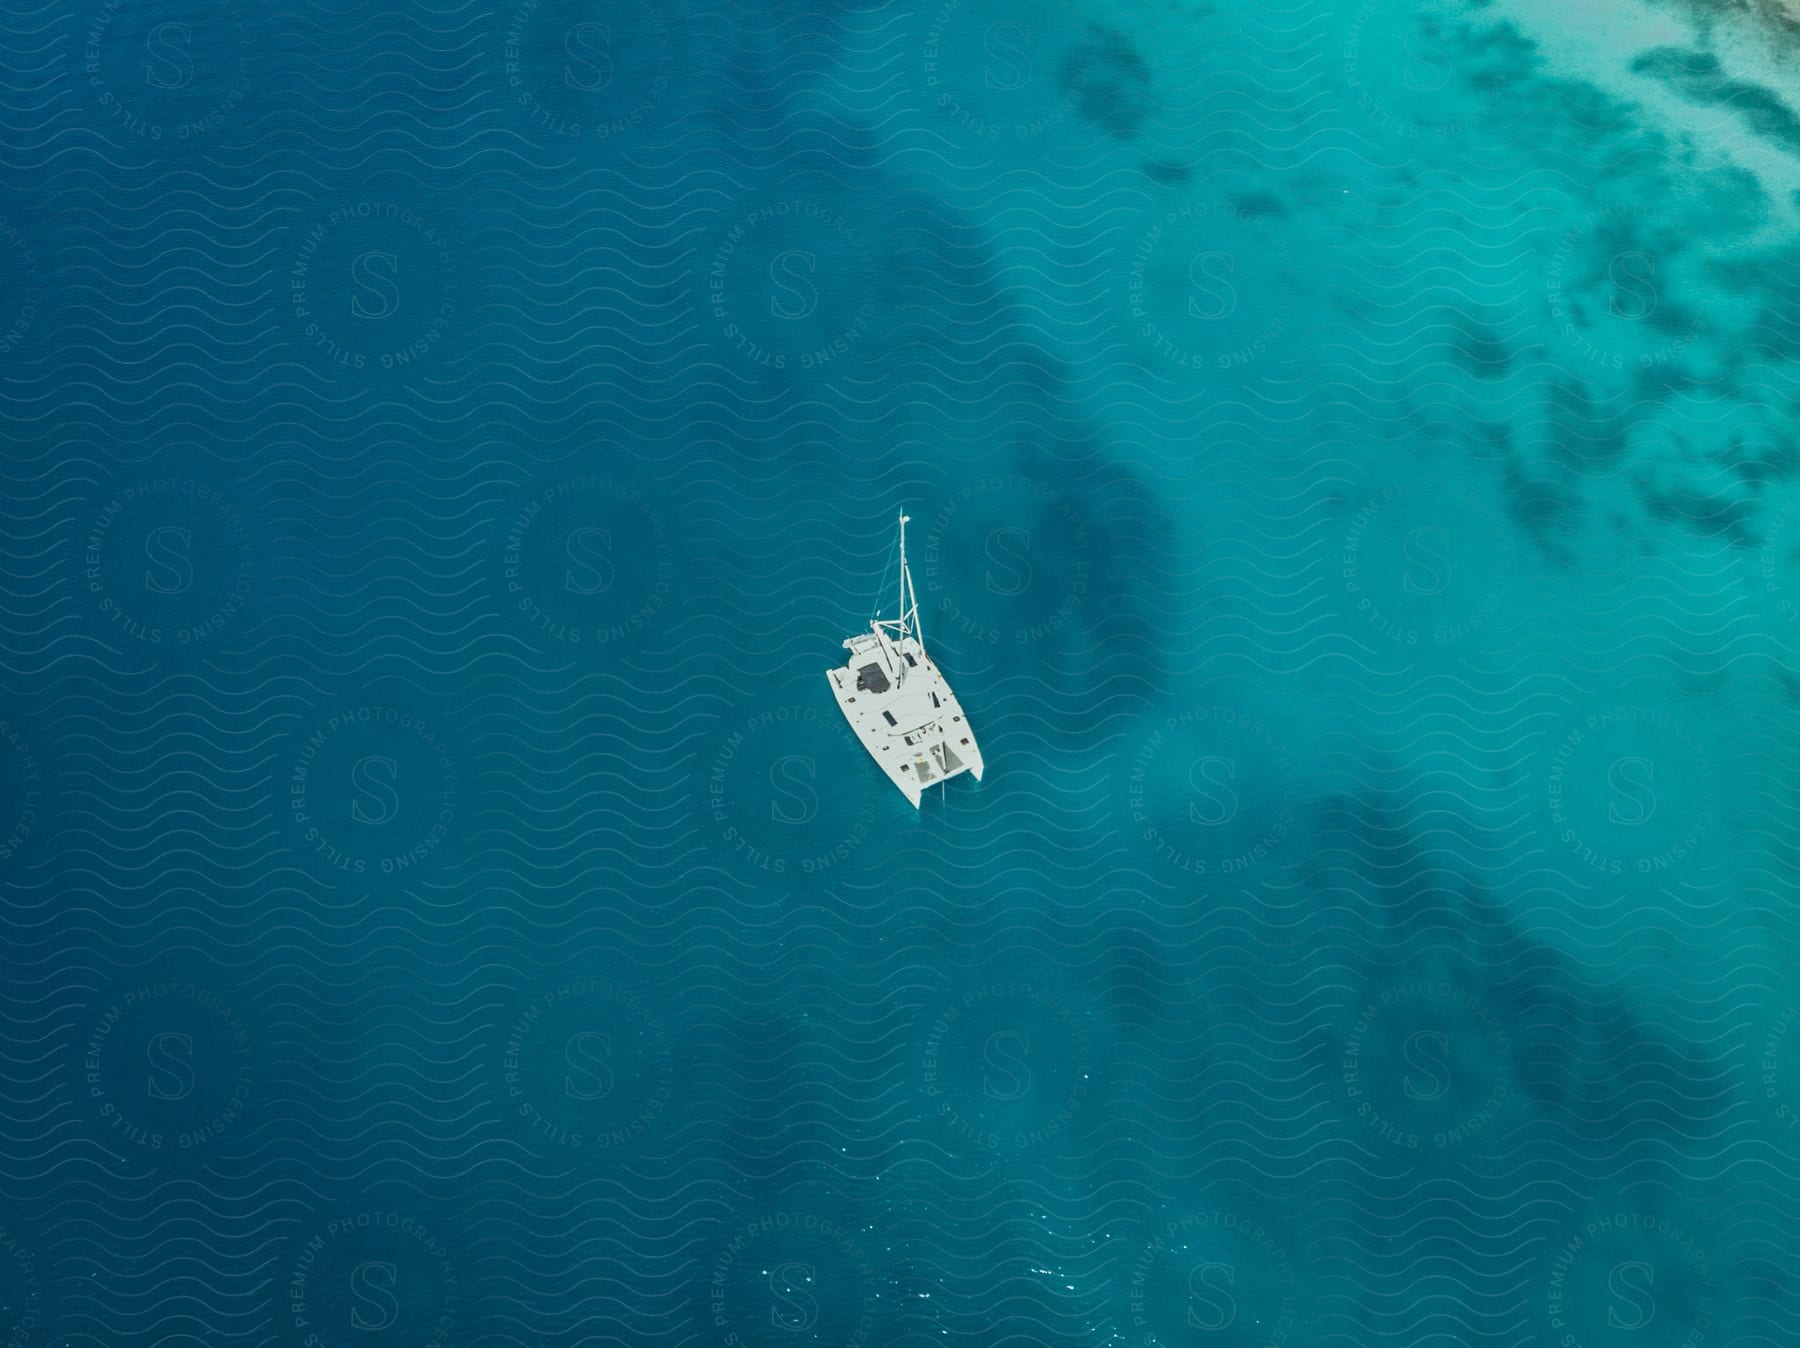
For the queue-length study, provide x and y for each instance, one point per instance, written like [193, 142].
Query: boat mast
[900, 612]
[909, 597]
[904, 623]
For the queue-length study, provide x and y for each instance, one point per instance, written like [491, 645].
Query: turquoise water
[1351, 458]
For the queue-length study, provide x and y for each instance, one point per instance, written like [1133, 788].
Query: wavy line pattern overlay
[1351, 455]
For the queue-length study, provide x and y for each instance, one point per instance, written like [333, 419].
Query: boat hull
[914, 727]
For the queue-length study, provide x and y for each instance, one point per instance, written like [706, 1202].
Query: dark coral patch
[1544, 509]
[1708, 516]
[1480, 351]
[1699, 78]
[1163, 172]
[1258, 206]
[1107, 81]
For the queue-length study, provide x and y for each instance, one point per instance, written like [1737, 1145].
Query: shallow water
[1350, 453]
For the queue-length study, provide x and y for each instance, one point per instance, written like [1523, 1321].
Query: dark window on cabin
[890, 718]
[910, 660]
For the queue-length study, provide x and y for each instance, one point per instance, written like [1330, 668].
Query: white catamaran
[898, 703]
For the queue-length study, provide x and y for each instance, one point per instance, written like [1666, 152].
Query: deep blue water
[1351, 457]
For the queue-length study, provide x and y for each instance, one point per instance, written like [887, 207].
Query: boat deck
[914, 727]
